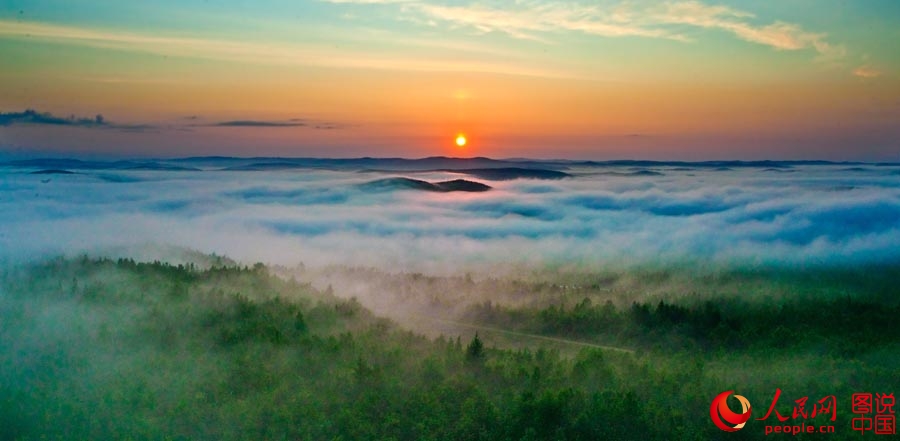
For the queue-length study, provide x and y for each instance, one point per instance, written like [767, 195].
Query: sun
[461, 140]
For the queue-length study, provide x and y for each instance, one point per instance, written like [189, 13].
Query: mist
[805, 215]
[385, 306]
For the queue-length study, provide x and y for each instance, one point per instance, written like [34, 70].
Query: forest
[102, 348]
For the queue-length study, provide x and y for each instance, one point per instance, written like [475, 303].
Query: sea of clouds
[803, 215]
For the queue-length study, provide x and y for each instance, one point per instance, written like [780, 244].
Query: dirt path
[526, 335]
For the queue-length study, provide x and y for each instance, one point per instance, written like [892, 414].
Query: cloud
[819, 214]
[526, 22]
[294, 196]
[837, 222]
[254, 123]
[276, 53]
[33, 117]
[525, 19]
[509, 208]
[294, 122]
[368, 2]
[779, 35]
[866, 71]
[537, 20]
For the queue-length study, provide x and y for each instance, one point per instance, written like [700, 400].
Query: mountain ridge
[475, 165]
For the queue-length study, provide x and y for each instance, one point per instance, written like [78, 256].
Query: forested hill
[116, 349]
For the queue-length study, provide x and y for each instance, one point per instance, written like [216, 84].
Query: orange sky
[670, 81]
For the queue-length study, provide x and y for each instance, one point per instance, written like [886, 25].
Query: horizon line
[92, 158]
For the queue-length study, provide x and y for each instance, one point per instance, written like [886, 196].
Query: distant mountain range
[390, 184]
[77, 164]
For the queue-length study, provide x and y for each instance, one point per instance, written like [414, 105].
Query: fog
[601, 217]
[539, 309]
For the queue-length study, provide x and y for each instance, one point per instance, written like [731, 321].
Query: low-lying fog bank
[598, 217]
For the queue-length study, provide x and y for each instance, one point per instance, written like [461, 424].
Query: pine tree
[475, 349]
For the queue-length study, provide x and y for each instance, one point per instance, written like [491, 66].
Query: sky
[686, 80]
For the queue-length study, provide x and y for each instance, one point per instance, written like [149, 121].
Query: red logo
[884, 421]
[719, 411]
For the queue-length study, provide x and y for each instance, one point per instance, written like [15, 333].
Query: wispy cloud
[254, 123]
[866, 71]
[535, 20]
[370, 2]
[296, 122]
[323, 55]
[33, 117]
[779, 35]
